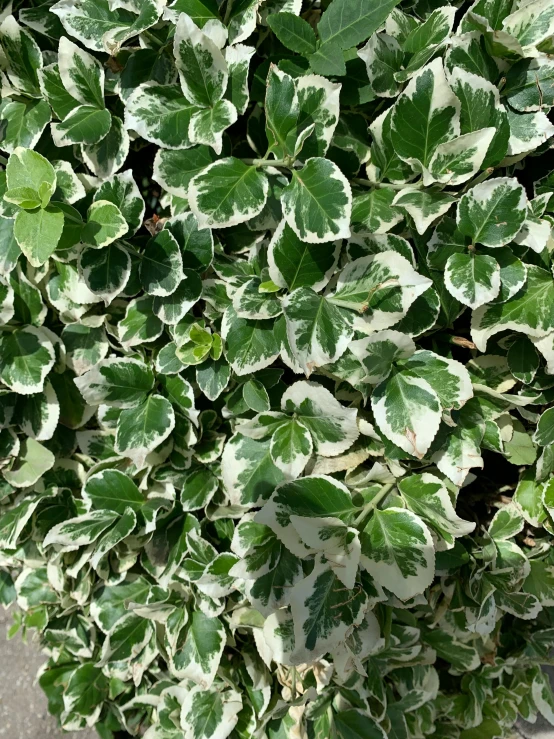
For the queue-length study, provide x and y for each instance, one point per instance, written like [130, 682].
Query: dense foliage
[276, 362]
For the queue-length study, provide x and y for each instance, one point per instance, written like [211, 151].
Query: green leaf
[463, 657]
[22, 123]
[397, 551]
[105, 271]
[316, 496]
[291, 448]
[140, 323]
[126, 640]
[317, 204]
[105, 223]
[427, 497]
[322, 615]
[34, 460]
[121, 382]
[161, 267]
[201, 11]
[249, 474]
[196, 244]
[86, 689]
[349, 22]
[81, 530]
[544, 435]
[26, 358]
[213, 377]
[99, 27]
[473, 279]
[140, 430]
[109, 155]
[408, 412]
[173, 308]
[531, 24]
[383, 57]
[318, 331]
[519, 448]
[200, 655]
[38, 233]
[81, 74]
[481, 108]
[210, 715]
[523, 359]
[319, 105]
[381, 287]
[122, 529]
[281, 112]
[85, 124]
[121, 190]
[425, 115]
[160, 114]
[202, 67]
[207, 126]
[113, 491]
[23, 56]
[226, 193]
[374, 210]
[529, 312]
[250, 345]
[30, 170]
[54, 92]
[448, 378]
[294, 263]
[332, 426]
[293, 32]
[492, 212]
[434, 30]
[238, 62]
[379, 351]
[328, 60]
[255, 396]
[529, 83]
[174, 170]
[424, 206]
[199, 488]
[352, 724]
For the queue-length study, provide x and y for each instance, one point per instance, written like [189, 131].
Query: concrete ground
[23, 711]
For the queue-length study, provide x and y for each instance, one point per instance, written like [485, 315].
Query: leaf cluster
[277, 363]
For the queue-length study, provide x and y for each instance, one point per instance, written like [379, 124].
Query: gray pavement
[23, 711]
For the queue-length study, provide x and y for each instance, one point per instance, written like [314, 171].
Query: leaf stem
[267, 162]
[360, 521]
[480, 178]
[228, 10]
[388, 185]
[3, 160]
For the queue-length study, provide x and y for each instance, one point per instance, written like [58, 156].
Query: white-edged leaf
[408, 412]
[202, 67]
[332, 426]
[26, 357]
[381, 287]
[492, 212]
[226, 193]
[199, 657]
[121, 382]
[140, 430]
[317, 204]
[397, 550]
[318, 331]
[473, 279]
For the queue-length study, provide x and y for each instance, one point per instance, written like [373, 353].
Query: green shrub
[277, 364]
